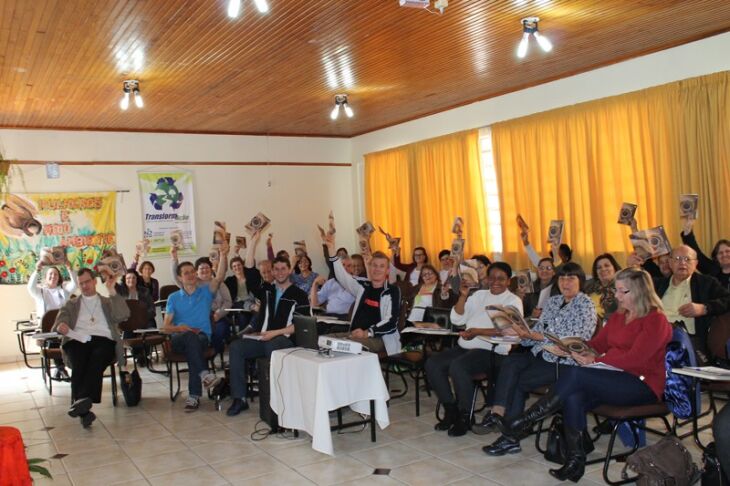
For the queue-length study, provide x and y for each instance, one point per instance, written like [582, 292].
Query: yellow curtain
[415, 192]
[581, 162]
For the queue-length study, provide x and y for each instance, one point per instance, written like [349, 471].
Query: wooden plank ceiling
[62, 62]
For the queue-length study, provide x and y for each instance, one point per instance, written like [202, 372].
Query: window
[491, 191]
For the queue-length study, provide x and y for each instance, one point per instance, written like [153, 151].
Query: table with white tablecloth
[306, 386]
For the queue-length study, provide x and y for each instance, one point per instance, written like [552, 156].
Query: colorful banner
[84, 223]
[168, 211]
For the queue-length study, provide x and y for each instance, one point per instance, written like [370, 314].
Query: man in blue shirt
[337, 298]
[187, 318]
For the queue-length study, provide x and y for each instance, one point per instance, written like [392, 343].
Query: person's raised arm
[315, 290]
[220, 273]
[348, 282]
[173, 266]
[33, 288]
[73, 282]
[270, 248]
[704, 264]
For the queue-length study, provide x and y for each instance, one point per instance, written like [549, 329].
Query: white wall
[695, 59]
[297, 200]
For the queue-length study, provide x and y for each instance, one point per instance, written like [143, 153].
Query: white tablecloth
[306, 386]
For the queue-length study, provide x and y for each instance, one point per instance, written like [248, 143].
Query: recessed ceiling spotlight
[234, 7]
[341, 101]
[529, 26]
[131, 86]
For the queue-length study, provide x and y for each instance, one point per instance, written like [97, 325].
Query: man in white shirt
[91, 340]
[473, 355]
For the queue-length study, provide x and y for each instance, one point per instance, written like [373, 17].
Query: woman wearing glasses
[633, 342]
[429, 293]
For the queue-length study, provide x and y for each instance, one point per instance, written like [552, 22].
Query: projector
[414, 3]
[339, 345]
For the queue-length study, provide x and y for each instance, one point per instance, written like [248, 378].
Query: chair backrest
[166, 290]
[439, 315]
[680, 353]
[719, 337]
[49, 318]
[137, 316]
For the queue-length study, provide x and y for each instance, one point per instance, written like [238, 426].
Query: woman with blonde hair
[633, 342]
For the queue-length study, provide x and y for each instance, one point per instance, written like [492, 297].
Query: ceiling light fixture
[234, 7]
[131, 86]
[341, 101]
[529, 26]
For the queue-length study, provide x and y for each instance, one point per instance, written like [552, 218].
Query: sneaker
[502, 446]
[192, 404]
[80, 407]
[87, 419]
[211, 380]
[487, 426]
[238, 406]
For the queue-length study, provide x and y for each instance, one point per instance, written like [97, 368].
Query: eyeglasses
[682, 259]
[428, 274]
[547, 268]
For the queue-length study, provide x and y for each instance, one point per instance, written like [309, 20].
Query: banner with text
[83, 223]
[168, 211]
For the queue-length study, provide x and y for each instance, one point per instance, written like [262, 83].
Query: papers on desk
[332, 321]
[146, 331]
[71, 334]
[603, 366]
[429, 331]
[712, 373]
[42, 336]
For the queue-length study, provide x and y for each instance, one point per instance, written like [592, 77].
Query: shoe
[461, 426]
[520, 427]
[575, 463]
[238, 406]
[192, 404]
[451, 413]
[503, 445]
[87, 419]
[61, 375]
[487, 425]
[80, 407]
[211, 380]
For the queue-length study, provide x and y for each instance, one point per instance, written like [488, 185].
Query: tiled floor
[157, 443]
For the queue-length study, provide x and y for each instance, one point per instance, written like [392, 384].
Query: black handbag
[712, 473]
[556, 451]
[131, 385]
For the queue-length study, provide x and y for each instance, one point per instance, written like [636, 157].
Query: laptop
[305, 331]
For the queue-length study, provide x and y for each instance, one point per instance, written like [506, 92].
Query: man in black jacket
[273, 326]
[691, 297]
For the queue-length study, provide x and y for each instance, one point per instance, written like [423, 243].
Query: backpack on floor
[131, 385]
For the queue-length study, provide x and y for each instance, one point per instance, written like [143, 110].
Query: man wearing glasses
[692, 298]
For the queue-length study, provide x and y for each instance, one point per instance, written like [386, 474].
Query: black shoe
[461, 426]
[520, 427]
[575, 463]
[87, 419]
[503, 445]
[238, 406]
[487, 425]
[451, 413]
[61, 374]
[80, 407]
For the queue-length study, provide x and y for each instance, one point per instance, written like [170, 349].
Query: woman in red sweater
[634, 341]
